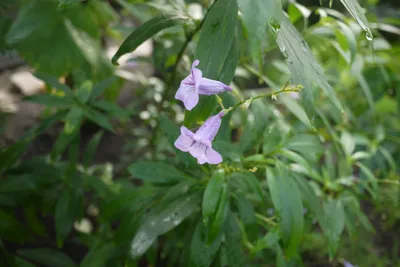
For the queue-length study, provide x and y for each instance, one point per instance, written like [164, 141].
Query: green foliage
[310, 141]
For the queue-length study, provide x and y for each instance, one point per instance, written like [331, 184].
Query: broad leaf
[156, 172]
[159, 223]
[257, 14]
[334, 221]
[47, 257]
[201, 252]
[287, 201]
[98, 255]
[233, 244]
[43, 21]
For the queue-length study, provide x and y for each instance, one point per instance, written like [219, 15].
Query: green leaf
[308, 145]
[212, 194]
[229, 67]
[309, 197]
[23, 263]
[51, 100]
[287, 201]
[53, 82]
[233, 238]
[16, 184]
[272, 139]
[348, 143]
[358, 14]
[252, 183]
[111, 108]
[42, 20]
[156, 172]
[333, 224]
[99, 118]
[10, 155]
[202, 253]
[296, 110]
[47, 257]
[157, 224]
[246, 210]
[146, 31]
[218, 32]
[348, 35]
[68, 3]
[303, 66]
[31, 216]
[219, 217]
[99, 88]
[270, 240]
[12, 230]
[65, 214]
[371, 179]
[354, 214]
[87, 45]
[257, 14]
[357, 71]
[84, 91]
[72, 124]
[91, 148]
[389, 158]
[98, 255]
[254, 129]
[228, 150]
[30, 19]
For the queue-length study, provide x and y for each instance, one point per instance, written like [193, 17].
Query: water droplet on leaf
[369, 35]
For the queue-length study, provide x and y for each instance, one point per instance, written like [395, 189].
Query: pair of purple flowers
[199, 144]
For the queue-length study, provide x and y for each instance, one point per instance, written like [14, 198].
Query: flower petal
[213, 157]
[186, 131]
[198, 150]
[209, 129]
[185, 140]
[197, 74]
[187, 93]
[211, 87]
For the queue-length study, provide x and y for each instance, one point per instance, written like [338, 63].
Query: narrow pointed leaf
[144, 32]
[211, 195]
[358, 14]
[303, 66]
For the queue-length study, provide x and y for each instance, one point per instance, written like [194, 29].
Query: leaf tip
[114, 60]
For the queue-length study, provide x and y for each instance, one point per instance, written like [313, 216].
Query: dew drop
[369, 35]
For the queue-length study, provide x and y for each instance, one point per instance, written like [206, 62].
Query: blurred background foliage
[89, 173]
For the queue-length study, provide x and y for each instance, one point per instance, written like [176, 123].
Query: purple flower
[194, 85]
[348, 264]
[199, 144]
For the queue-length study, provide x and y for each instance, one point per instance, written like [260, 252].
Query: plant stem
[284, 90]
[269, 221]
